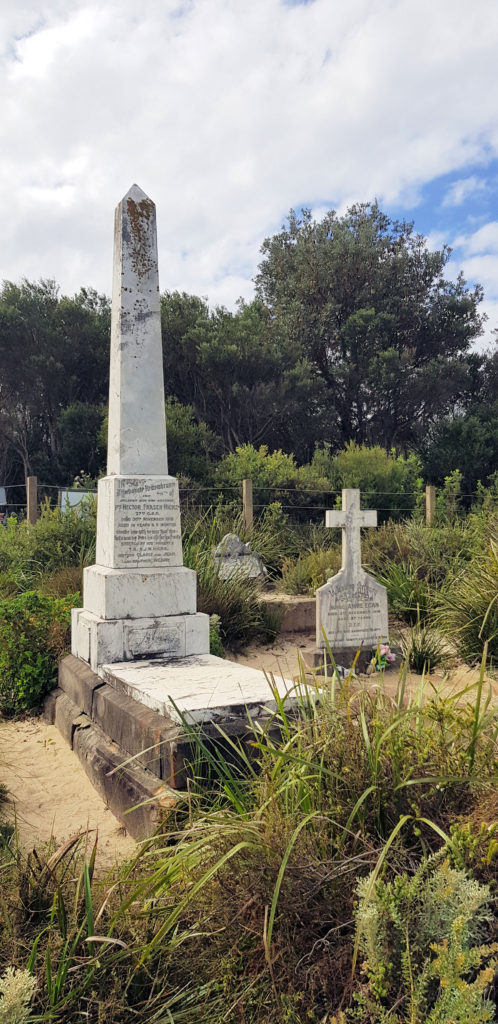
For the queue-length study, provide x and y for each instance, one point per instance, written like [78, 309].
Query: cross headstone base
[346, 658]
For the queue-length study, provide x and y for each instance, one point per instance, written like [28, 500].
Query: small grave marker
[351, 607]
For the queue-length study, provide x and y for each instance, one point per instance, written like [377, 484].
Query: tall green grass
[241, 908]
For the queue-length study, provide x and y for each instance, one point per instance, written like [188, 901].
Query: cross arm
[335, 518]
[368, 518]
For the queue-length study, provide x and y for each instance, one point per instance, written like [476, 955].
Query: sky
[228, 113]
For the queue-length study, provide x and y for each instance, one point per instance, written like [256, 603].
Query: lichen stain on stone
[141, 219]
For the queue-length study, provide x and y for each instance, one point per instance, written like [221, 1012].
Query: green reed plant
[423, 647]
[466, 609]
[407, 592]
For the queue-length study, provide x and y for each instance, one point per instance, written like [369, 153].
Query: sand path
[49, 794]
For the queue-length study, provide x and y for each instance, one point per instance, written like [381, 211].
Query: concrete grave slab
[199, 689]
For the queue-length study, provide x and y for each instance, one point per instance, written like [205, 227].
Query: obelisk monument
[138, 600]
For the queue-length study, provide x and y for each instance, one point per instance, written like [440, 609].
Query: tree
[368, 306]
[192, 446]
[54, 352]
[467, 443]
[236, 372]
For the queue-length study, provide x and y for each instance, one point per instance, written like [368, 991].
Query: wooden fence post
[247, 504]
[430, 504]
[32, 499]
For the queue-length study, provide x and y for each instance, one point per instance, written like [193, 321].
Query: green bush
[276, 478]
[449, 500]
[466, 609]
[389, 483]
[60, 538]
[34, 633]
[416, 935]
[309, 571]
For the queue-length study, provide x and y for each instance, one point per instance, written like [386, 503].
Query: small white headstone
[234, 557]
[351, 607]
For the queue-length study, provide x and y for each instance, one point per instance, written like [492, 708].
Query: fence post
[430, 504]
[32, 499]
[247, 504]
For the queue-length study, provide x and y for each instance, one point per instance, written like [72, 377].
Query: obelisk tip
[135, 193]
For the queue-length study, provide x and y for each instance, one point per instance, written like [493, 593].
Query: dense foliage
[356, 335]
[34, 633]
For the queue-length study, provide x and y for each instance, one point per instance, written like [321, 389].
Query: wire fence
[299, 504]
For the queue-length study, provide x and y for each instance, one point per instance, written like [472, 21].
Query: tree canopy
[368, 306]
[356, 334]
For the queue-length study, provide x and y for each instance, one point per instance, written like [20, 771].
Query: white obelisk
[139, 600]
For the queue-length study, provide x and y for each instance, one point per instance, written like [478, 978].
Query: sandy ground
[51, 796]
[289, 652]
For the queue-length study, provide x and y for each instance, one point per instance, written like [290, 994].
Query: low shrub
[466, 608]
[309, 571]
[60, 538]
[417, 936]
[390, 483]
[34, 633]
[63, 581]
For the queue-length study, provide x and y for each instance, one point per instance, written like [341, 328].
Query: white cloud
[483, 240]
[476, 255]
[462, 189]
[227, 113]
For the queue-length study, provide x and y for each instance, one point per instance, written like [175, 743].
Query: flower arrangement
[383, 657]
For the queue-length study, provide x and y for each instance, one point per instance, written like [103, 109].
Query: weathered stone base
[107, 722]
[201, 689]
[139, 792]
[343, 656]
[101, 641]
[139, 593]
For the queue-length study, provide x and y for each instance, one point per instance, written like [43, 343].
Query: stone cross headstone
[351, 607]
[138, 599]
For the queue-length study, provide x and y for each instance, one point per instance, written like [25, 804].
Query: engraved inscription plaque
[353, 616]
[156, 639]
[352, 613]
[146, 524]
